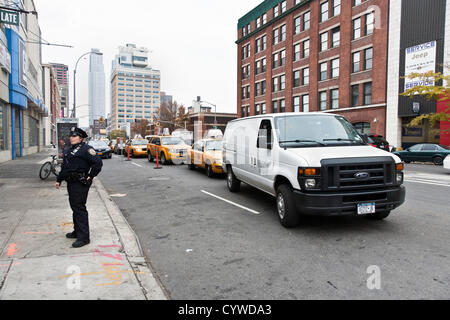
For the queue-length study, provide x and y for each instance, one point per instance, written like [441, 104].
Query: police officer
[80, 166]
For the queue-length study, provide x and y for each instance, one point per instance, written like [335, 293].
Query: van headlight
[310, 178]
[399, 175]
[400, 178]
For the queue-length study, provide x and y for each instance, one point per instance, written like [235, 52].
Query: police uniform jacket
[80, 158]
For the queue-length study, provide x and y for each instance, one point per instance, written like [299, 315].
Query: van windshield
[315, 131]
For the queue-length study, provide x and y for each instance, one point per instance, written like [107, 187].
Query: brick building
[315, 55]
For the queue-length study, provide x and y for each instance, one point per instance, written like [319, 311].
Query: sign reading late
[9, 17]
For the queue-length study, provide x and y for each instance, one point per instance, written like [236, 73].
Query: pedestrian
[80, 166]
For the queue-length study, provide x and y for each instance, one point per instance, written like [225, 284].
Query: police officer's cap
[77, 132]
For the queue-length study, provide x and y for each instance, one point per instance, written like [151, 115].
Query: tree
[172, 116]
[440, 92]
[140, 128]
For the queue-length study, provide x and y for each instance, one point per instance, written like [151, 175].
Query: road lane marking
[231, 202]
[136, 165]
[432, 183]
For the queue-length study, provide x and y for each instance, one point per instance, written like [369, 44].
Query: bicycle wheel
[46, 169]
[56, 169]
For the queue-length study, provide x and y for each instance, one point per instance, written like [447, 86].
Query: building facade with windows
[345, 57]
[22, 107]
[52, 99]
[135, 87]
[62, 75]
[315, 55]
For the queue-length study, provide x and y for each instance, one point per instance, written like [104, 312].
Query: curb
[151, 287]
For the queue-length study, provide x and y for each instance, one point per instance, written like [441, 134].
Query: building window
[258, 45]
[368, 93]
[335, 68]
[356, 2]
[282, 58]
[263, 108]
[297, 22]
[257, 109]
[297, 52]
[276, 36]
[335, 99]
[242, 112]
[282, 106]
[324, 41]
[356, 28]
[305, 76]
[263, 43]
[283, 82]
[368, 57]
[323, 71]
[296, 103]
[370, 23]
[275, 62]
[356, 62]
[306, 49]
[3, 127]
[243, 93]
[276, 11]
[264, 18]
[275, 106]
[257, 89]
[275, 84]
[258, 67]
[355, 95]
[283, 33]
[296, 78]
[324, 11]
[283, 7]
[323, 100]
[306, 21]
[263, 65]
[305, 103]
[336, 37]
[362, 127]
[336, 7]
[263, 87]
[258, 22]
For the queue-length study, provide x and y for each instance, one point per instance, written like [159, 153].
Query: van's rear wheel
[287, 212]
[234, 185]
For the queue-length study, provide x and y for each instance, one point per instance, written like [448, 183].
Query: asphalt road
[202, 247]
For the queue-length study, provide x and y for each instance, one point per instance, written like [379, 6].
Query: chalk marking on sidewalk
[425, 182]
[43, 233]
[137, 165]
[12, 249]
[231, 202]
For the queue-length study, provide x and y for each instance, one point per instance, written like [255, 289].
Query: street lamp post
[215, 111]
[74, 112]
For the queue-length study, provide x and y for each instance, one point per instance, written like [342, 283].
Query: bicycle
[50, 167]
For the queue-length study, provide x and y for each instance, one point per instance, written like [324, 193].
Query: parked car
[102, 149]
[426, 152]
[169, 149]
[447, 163]
[136, 148]
[379, 142]
[206, 154]
[313, 164]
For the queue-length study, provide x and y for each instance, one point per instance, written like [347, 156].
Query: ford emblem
[361, 175]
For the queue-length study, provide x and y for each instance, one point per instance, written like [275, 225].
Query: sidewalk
[37, 261]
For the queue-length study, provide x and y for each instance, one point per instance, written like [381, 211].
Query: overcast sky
[192, 42]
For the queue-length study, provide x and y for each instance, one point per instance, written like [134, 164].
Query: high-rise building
[135, 87]
[62, 76]
[97, 97]
[166, 99]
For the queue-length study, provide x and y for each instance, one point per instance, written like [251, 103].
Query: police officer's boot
[80, 243]
[71, 235]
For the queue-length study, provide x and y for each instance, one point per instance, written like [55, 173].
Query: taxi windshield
[171, 141]
[98, 144]
[140, 143]
[214, 145]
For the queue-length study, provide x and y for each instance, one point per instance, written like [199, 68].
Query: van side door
[264, 160]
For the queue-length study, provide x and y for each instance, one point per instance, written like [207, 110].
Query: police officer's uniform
[80, 163]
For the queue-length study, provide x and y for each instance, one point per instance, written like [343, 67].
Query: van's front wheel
[287, 212]
[234, 185]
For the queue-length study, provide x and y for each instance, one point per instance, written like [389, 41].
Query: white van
[313, 163]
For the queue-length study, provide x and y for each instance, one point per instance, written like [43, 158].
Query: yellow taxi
[207, 154]
[169, 149]
[137, 148]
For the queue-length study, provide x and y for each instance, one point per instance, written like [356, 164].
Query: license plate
[366, 208]
[100, 154]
